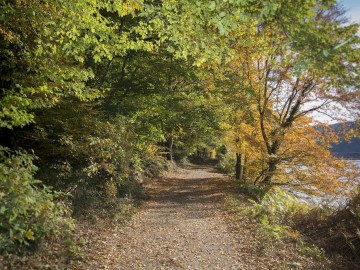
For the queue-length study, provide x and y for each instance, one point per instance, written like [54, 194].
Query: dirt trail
[182, 226]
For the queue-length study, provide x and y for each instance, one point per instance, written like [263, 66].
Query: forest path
[182, 226]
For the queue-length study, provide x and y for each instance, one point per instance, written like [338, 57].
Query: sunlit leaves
[28, 211]
[49, 46]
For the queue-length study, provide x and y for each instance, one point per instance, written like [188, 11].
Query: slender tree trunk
[171, 148]
[238, 167]
[244, 169]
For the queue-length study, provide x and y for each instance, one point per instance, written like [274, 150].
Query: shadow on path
[197, 188]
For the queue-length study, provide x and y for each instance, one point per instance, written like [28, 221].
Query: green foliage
[92, 160]
[100, 161]
[226, 163]
[257, 192]
[49, 50]
[28, 211]
[313, 251]
[277, 210]
[153, 166]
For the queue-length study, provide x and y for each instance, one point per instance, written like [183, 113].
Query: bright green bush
[28, 211]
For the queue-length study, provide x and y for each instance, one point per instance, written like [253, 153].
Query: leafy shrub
[27, 211]
[154, 166]
[277, 210]
[257, 192]
[226, 163]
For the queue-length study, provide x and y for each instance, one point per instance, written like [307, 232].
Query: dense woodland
[96, 95]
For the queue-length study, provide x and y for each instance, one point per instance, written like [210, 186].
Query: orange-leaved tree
[289, 74]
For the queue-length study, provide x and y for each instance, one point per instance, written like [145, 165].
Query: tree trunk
[244, 169]
[171, 148]
[238, 167]
[272, 165]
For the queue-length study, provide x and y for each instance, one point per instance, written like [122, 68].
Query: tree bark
[272, 165]
[238, 167]
[244, 169]
[171, 148]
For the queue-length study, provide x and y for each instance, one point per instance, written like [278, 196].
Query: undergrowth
[277, 209]
[272, 239]
[318, 232]
[29, 211]
[95, 209]
[68, 251]
[337, 232]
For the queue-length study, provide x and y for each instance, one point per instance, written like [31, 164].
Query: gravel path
[182, 226]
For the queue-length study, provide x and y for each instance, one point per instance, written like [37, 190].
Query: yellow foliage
[294, 234]
[153, 151]
[129, 7]
[110, 188]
